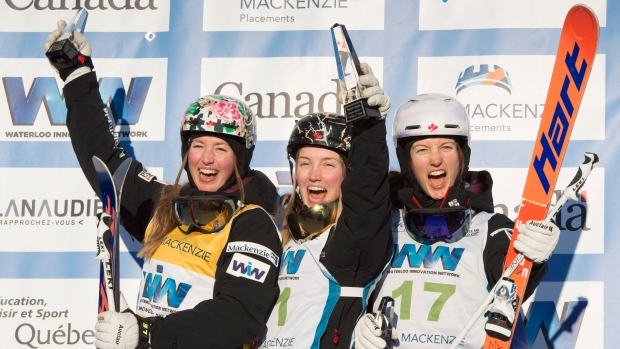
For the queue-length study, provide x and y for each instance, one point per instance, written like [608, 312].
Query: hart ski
[573, 64]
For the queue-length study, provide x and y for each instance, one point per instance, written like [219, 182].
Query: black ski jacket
[360, 245]
[236, 311]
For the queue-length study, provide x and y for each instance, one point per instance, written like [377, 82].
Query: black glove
[84, 63]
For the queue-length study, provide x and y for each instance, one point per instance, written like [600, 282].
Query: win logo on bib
[158, 290]
[248, 267]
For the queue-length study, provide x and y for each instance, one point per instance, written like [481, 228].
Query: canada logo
[432, 127]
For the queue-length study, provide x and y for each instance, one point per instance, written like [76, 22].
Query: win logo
[125, 105]
[425, 255]
[248, 270]
[543, 320]
[291, 261]
[247, 267]
[155, 289]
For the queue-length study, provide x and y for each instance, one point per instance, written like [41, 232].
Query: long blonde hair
[287, 206]
[164, 220]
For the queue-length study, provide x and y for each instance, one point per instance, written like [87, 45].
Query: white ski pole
[569, 193]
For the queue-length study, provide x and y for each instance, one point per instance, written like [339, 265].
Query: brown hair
[164, 220]
[287, 205]
[398, 180]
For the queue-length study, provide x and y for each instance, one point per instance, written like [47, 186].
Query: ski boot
[502, 310]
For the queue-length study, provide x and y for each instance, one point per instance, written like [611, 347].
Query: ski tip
[582, 20]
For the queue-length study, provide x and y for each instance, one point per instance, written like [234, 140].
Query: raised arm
[92, 134]
[363, 241]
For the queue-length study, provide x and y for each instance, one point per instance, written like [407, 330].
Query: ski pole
[385, 316]
[569, 193]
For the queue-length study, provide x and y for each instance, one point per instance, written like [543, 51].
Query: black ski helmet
[328, 130]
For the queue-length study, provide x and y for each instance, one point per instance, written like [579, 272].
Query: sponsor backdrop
[155, 56]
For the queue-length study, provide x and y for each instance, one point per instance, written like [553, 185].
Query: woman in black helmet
[211, 249]
[337, 237]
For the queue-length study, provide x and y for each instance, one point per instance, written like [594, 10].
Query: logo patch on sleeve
[248, 267]
[146, 175]
[254, 248]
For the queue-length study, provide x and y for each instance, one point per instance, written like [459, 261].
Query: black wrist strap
[144, 330]
[81, 61]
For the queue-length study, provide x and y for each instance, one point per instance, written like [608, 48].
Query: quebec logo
[155, 290]
[125, 105]
[498, 77]
[426, 256]
[248, 267]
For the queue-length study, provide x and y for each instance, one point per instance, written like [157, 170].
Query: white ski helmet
[429, 115]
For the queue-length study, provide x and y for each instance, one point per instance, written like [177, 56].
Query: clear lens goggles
[307, 221]
[429, 226]
[207, 214]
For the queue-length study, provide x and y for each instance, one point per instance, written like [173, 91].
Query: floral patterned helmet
[326, 130]
[221, 115]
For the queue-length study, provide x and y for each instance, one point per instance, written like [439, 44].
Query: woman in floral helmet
[211, 249]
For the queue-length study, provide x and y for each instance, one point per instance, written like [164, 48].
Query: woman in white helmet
[449, 244]
[211, 249]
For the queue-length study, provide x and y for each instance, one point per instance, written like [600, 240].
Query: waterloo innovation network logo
[497, 77]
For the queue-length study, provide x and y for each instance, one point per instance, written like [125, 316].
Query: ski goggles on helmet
[207, 214]
[430, 225]
[305, 222]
